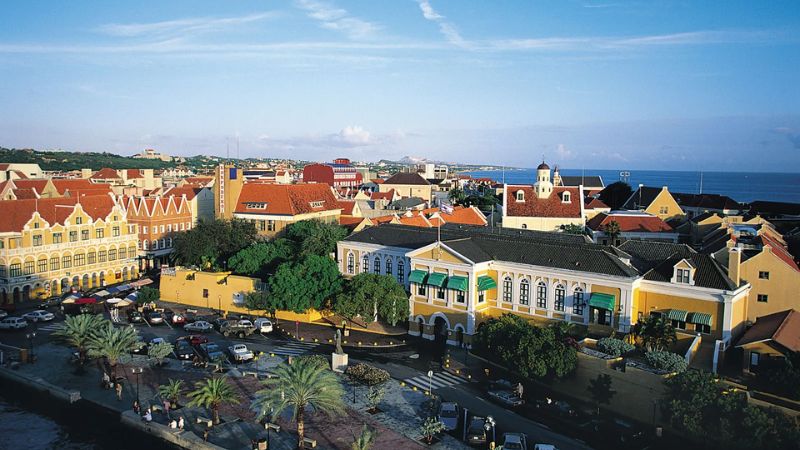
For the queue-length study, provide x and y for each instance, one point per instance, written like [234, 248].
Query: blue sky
[597, 84]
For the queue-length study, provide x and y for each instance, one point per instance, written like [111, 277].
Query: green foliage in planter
[366, 374]
[668, 361]
[614, 347]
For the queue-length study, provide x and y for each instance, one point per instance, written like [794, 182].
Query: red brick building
[158, 218]
[339, 173]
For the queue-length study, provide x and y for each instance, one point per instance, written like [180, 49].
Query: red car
[194, 339]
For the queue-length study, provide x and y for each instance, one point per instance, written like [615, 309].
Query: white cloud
[448, 30]
[337, 19]
[354, 135]
[427, 10]
[563, 153]
[180, 26]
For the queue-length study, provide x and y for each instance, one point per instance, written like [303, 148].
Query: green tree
[457, 196]
[314, 237]
[783, 379]
[112, 343]
[365, 440]
[655, 333]
[160, 351]
[212, 242]
[616, 194]
[77, 331]
[367, 294]
[600, 390]
[430, 428]
[302, 385]
[212, 393]
[171, 391]
[260, 301]
[572, 228]
[309, 283]
[147, 294]
[612, 230]
[260, 258]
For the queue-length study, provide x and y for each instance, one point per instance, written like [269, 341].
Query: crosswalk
[439, 380]
[295, 348]
[50, 327]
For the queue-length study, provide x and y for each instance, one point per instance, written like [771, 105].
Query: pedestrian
[148, 415]
[166, 407]
[173, 424]
[118, 388]
[136, 407]
[180, 422]
[106, 380]
[519, 390]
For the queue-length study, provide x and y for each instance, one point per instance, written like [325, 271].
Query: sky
[674, 85]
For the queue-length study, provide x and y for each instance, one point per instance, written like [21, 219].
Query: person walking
[180, 422]
[118, 388]
[136, 407]
[148, 415]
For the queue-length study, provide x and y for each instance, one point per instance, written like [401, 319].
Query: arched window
[524, 292]
[401, 272]
[559, 301]
[351, 262]
[524, 226]
[389, 265]
[507, 288]
[154, 246]
[577, 301]
[145, 244]
[541, 295]
[520, 196]
[365, 264]
[377, 266]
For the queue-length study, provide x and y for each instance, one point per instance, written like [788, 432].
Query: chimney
[734, 265]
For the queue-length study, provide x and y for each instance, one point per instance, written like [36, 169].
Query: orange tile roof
[416, 221]
[78, 185]
[34, 183]
[105, 174]
[551, 206]
[465, 216]
[382, 219]
[134, 173]
[17, 213]
[347, 206]
[285, 199]
[25, 193]
[596, 203]
[382, 195]
[189, 192]
[630, 223]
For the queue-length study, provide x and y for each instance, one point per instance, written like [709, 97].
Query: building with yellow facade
[473, 274]
[656, 201]
[48, 246]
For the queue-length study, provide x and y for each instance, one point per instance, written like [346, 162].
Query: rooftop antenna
[227, 148]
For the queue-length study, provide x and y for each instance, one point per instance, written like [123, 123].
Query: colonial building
[158, 219]
[475, 273]
[542, 207]
[48, 246]
[338, 174]
[635, 225]
[656, 201]
[17, 171]
[408, 185]
[201, 201]
[767, 343]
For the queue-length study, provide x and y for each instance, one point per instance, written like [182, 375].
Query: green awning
[458, 283]
[602, 301]
[699, 318]
[677, 314]
[485, 283]
[417, 276]
[436, 279]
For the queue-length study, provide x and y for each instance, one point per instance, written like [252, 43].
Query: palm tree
[171, 391]
[612, 230]
[77, 331]
[112, 343]
[365, 440]
[304, 383]
[212, 393]
[656, 333]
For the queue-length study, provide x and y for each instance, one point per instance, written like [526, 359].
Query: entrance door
[600, 316]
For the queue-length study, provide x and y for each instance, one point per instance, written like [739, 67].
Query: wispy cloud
[337, 19]
[448, 30]
[180, 27]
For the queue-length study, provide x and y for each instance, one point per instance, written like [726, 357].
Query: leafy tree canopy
[310, 283]
[367, 294]
[314, 237]
[261, 258]
[212, 242]
[148, 294]
[572, 228]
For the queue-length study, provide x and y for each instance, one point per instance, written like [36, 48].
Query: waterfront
[740, 186]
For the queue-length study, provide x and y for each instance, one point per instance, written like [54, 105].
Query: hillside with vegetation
[60, 160]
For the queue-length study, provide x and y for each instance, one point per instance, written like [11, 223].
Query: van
[263, 325]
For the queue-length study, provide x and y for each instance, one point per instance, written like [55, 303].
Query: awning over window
[458, 283]
[485, 283]
[436, 279]
[602, 301]
[699, 318]
[417, 276]
[677, 314]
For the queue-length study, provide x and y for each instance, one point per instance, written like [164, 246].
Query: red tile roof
[780, 251]
[189, 192]
[285, 199]
[34, 183]
[134, 173]
[382, 195]
[25, 193]
[347, 206]
[382, 219]
[551, 206]
[782, 328]
[416, 221]
[79, 186]
[629, 223]
[17, 213]
[596, 203]
[105, 174]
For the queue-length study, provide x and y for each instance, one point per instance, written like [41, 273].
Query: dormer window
[520, 196]
[682, 276]
[565, 198]
[318, 204]
[255, 205]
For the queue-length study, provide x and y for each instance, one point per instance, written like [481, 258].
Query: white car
[263, 325]
[240, 353]
[200, 326]
[13, 323]
[39, 315]
[3, 314]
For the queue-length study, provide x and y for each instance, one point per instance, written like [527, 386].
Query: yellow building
[542, 206]
[770, 340]
[408, 185]
[48, 246]
[472, 275]
[658, 202]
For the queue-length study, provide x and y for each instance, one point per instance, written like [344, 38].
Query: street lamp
[31, 336]
[490, 423]
[430, 382]
[136, 371]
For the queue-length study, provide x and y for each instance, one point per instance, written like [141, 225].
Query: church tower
[543, 186]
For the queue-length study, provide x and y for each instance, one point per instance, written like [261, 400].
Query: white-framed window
[683, 276]
[577, 301]
[541, 295]
[388, 266]
[565, 198]
[351, 263]
[377, 266]
[508, 287]
[401, 272]
[559, 297]
[520, 195]
[524, 292]
[365, 264]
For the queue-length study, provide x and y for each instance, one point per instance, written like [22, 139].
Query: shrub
[669, 361]
[614, 347]
[430, 428]
[366, 374]
[318, 360]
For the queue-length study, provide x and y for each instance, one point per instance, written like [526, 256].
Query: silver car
[448, 415]
[39, 315]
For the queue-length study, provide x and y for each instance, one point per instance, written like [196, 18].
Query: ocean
[741, 186]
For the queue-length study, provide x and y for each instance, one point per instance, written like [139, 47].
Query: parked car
[155, 318]
[515, 441]
[212, 351]
[448, 415]
[13, 323]
[190, 317]
[3, 314]
[135, 316]
[263, 325]
[476, 433]
[178, 319]
[184, 350]
[218, 323]
[193, 339]
[39, 315]
[201, 326]
[544, 447]
[240, 328]
[507, 398]
[51, 302]
[240, 353]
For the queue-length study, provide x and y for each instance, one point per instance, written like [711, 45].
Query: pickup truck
[240, 353]
[239, 328]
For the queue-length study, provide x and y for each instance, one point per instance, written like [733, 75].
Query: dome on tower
[543, 166]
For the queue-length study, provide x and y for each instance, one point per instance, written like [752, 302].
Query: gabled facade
[656, 201]
[542, 207]
[408, 185]
[158, 220]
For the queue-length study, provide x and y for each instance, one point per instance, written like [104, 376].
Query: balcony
[127, 239]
